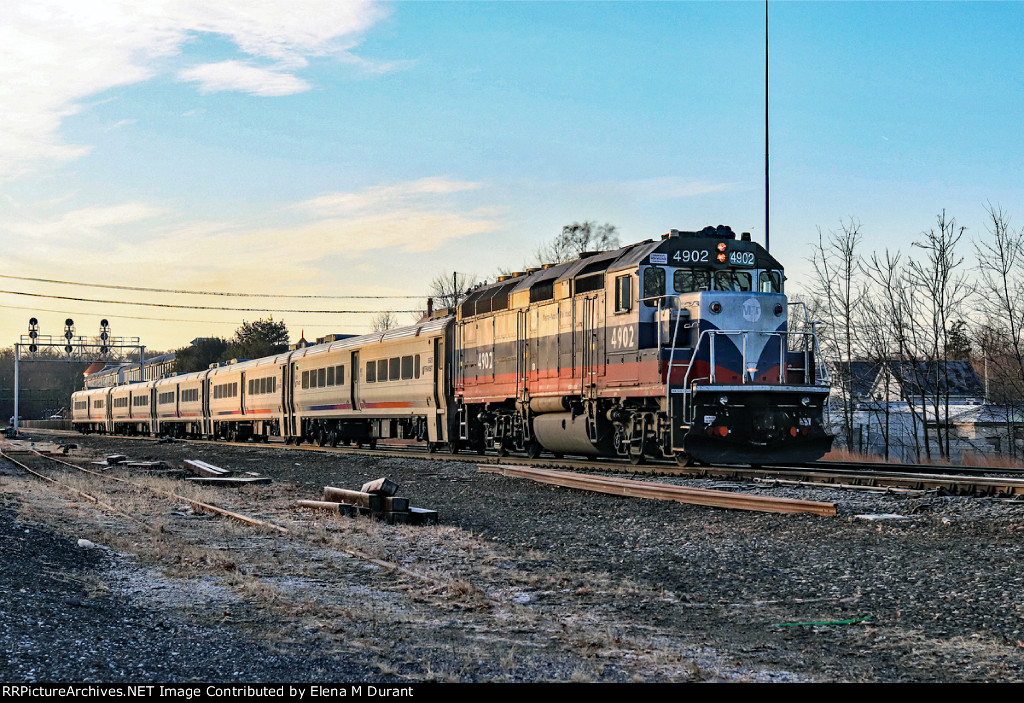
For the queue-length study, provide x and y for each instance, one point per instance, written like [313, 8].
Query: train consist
[680, 347]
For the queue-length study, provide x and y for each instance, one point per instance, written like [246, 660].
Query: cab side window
[624, 293]
[654, 285]
[769, 282]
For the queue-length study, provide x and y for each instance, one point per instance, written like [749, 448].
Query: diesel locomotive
[681, 347]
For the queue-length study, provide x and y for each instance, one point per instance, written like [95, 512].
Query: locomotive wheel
[533, 449]
[453, 446]
[684, 459]
[636, 454]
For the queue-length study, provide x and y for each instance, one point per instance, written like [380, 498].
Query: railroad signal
[33, 334]
[104, 335]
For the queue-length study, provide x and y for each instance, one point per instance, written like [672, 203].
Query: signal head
[69, 322]
[33, 321]
[104, 323]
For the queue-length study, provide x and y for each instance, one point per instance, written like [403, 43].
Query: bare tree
[1001, 284]
[941, 287]
[448, 288]
[894, 308]
[839, 294]
[384, 321]
[577, 238]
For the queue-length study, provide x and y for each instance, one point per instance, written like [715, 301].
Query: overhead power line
[203, 307]
[202, 292]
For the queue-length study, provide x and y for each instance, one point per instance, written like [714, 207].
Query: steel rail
[663, 491]
[985, 484]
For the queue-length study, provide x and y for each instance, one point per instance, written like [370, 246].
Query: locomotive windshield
[691, 280]
[732, 280]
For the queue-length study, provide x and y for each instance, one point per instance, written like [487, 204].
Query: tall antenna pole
[767, 241]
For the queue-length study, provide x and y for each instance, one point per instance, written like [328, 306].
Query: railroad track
[955, 480]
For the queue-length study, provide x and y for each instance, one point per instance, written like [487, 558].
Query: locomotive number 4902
[623, 337]
[692, 256]
[741, 258]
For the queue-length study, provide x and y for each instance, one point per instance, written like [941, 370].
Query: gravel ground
[520, 582]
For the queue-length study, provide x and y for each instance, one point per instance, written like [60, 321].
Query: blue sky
[317, 147]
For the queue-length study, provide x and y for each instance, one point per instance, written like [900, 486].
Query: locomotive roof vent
[745, 236]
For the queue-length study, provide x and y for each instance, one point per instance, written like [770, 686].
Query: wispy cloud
[392, 195]
[83, 225]
[243, 77]
[54, 54]
[673, 187]
[399, 219]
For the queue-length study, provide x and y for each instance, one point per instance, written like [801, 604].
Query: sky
[321, 148]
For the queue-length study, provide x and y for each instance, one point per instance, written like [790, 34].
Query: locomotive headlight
[778, 309]
[805, 401]
[723, 400]
[721, 246]
[721, 258]
[715, 307]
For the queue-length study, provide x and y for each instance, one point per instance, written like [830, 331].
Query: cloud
[379, 223]
[673, 187]
[93, 223]
[392, 195]
[235, 75]
[54, 54]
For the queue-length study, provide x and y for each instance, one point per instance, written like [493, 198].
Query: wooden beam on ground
[663, 491]
[382, 486]
[365, 500]
[228, 480]
[203, 468]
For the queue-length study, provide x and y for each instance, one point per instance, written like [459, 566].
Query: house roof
[930, 377]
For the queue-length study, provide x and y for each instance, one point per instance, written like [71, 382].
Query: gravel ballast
[520, 582]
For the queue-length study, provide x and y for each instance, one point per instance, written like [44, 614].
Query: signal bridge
[73, 348]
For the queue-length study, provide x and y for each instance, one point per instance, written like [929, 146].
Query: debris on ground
[377, 499]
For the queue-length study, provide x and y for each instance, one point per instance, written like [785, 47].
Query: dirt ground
[518, 582]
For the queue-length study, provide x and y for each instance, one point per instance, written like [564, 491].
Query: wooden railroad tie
[376, 500]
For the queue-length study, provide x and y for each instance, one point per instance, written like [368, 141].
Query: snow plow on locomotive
[674, 348]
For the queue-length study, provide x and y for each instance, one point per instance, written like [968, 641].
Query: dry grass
[990, 461]
[969, 459]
